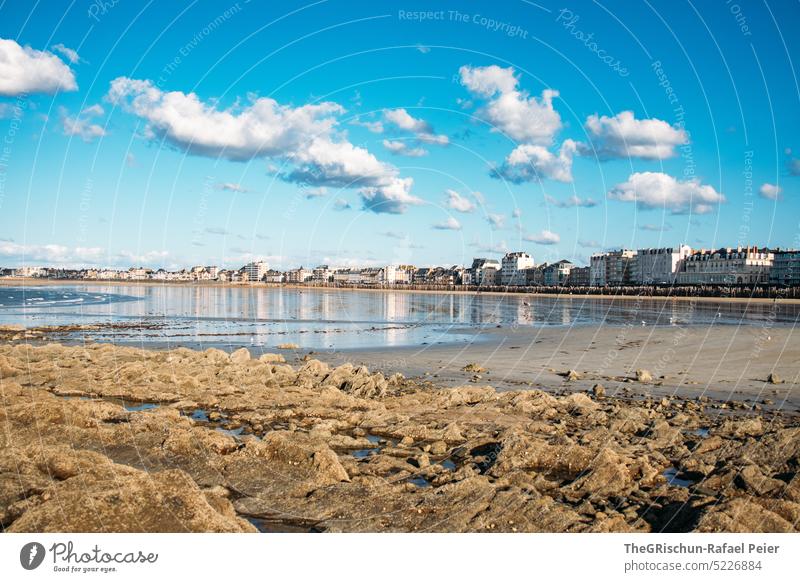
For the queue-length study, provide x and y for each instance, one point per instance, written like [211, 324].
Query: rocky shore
[106, 438]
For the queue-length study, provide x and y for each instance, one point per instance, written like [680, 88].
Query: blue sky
[174, 134]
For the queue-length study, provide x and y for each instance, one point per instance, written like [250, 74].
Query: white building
[659, 266]
[727, 267]
[612, 268]
[255, 271]
[557, 273]
[512, 271]
[484, 272]
[300, 275]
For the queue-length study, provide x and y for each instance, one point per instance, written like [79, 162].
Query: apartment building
[556, 274]
[512, 270]
[254, 271]
[740, 266]
[785, 268]
[612, 268]
[659, 266]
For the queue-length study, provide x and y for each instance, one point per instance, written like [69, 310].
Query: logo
[31, 555]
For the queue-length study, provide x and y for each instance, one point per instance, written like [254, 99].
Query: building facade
[727, 267]
[556, 274]
[512, 269]
[612, 268]
[659, 266]
[255, 271]
[785, 268]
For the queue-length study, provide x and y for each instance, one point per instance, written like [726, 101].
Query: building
[579, 277]
[300, 275]
[483, 272]
[659, 266]
[254, 271]
[535, 275]
[512, 271]
[785, 268]
[612, 268]
[738, 266]
[321, 274]
[273, 276]
[557, 274]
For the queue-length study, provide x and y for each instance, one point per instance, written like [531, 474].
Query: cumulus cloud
[303, 136]
[496, 221]
[373, 126]
[230, 187]
[71, 55]
[51, 254]
[422, 130]
[770, 191]
[571, 202]
[544, 237]
[402, 148]
[393, 198]
[624, 136]
[341, 204]
[449, 224]
[27, 70]
[533, 163]
[457, 202]
[658, 190]
[82, 125]
[510, 110]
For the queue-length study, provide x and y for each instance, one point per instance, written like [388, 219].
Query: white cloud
[304, 136]
[423, 49]
[571, 202]
[496, 221]
[508, 109]
[373, 126]
[544, 237]
[589, 244]
[456, 201]
[230, 187]
[655, 227]
[71, 55]
[498, 248]
[312, 193]
[26, 70]
[402, 148]
[516, 213]
[770, 191]
[81, 125]
[341, 204]
[390, 199]
[657, 190]
[421, 129]
[528, 163]
[624, 136]
[449, 224]
[51, 254]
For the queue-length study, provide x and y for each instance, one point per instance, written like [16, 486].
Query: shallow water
[325, 319]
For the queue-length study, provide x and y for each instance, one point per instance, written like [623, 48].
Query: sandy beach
[721, 362]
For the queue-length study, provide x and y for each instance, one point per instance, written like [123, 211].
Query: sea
[323, 319]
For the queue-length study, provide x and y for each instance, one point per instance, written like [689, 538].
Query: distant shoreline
[30, 281]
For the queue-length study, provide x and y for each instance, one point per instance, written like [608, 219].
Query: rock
[475, 368]
[329, 469]
[644, 376]
[742, 515]
[239, 356]
[272, 359]
[406, 441]
[438, 448]
[288, 346]
[572, 375]
[598, 390]
[774, 379]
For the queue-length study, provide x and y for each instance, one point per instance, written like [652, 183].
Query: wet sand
[722, 362]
